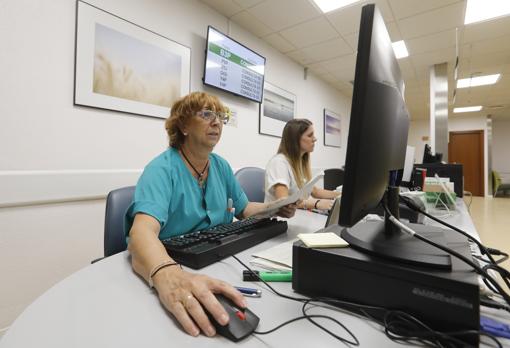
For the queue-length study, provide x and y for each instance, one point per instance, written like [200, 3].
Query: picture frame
[124, 67]
[277, 108]
[332, 129]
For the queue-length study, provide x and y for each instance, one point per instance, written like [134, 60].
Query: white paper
[302, 194]
[280, 254]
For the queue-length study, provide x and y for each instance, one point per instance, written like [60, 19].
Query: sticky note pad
[322, 240]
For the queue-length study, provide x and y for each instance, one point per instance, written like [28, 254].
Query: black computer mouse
[242, 322]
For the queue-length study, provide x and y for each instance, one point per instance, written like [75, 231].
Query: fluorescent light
[478, 81]
[482, 10]
[331, 5]
[400, 49]
[467, 109]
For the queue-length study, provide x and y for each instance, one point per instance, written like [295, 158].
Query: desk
[107, 305]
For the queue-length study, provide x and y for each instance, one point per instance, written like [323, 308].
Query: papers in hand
[303, 193]
[322, 240]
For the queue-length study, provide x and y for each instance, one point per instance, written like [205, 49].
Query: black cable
[488, 302]
[418, 333]
[305, 301]
[476, 267]
[483, 249]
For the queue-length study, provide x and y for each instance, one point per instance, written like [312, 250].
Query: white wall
[420, 128]
[500, 145]
[52, 150]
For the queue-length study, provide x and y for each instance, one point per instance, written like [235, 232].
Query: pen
[249, 291]
[230, 205]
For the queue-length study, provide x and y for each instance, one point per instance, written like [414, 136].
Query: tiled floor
[491, 217]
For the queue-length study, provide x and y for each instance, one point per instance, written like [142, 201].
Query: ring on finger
[186, 300]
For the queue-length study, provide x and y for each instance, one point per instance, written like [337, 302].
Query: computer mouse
[242, 322]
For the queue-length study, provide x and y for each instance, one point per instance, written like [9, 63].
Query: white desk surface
[107, 305]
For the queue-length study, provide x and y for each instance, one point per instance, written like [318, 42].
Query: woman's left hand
[288, 210]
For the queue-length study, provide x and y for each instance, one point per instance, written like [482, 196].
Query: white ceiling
[326, 44]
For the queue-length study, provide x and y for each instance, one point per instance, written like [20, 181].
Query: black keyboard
[201, 248]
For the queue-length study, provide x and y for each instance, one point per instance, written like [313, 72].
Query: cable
[354, 342]
[470, 200]
[476, 267]
[488, 302]
[398, 326]
[483, 249]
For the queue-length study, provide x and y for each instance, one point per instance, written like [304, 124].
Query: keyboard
[202, 248]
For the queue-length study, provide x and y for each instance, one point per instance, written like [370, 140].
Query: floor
[491, 217]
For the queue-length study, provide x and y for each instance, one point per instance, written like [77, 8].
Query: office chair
[333, 178]
[498, 184]
[117, 203]
[252, 182]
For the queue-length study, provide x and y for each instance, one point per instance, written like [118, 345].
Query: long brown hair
[290, 147]
[183, 109]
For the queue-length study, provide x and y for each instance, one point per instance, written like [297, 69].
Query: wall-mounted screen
[233, 67]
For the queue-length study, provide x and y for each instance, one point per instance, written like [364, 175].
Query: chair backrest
[333, 178]
[117, 203]
[251, 180]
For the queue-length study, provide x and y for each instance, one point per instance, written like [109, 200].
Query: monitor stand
[371, 237]
[385, 239]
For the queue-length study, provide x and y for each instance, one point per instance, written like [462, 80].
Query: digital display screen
[232, 67]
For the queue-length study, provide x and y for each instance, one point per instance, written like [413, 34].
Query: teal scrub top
[168, 192]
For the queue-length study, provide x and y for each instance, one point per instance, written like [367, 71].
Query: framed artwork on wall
[277, 108]
[332, 129]
[124, 67]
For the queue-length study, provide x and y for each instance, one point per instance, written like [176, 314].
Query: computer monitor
[428, 157]
[376, 149]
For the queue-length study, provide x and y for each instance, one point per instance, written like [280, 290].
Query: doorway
[467, 148]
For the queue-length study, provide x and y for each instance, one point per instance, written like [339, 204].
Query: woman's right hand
[187, 296]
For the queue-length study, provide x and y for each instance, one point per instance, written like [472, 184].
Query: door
[467, 149]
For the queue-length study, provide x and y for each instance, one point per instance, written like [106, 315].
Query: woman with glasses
[184, 189]
[289, 170]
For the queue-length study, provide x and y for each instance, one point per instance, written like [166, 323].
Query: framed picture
[277, 108]
[124, 67]
[332, 129]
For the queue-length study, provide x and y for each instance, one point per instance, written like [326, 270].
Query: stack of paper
[277, 258]
[322, 240]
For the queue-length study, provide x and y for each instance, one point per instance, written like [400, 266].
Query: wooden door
[467, 149]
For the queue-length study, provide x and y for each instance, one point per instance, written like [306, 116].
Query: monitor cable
[492, 263]
[398, 326]
[353, 339]
[481, 271]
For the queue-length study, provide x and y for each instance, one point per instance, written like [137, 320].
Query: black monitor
[376, 150]
[428, 157]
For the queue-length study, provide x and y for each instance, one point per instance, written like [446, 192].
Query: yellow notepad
[322, 240]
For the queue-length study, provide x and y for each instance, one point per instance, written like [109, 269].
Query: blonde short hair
[183, 109]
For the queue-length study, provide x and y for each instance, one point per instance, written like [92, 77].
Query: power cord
[398, 326]
[476, 267]
[483, 249]
[470, 200]
[354, 341]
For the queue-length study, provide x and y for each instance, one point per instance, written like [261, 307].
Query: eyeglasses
[210, 115]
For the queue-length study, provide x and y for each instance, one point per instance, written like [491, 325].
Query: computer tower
[444, 300]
